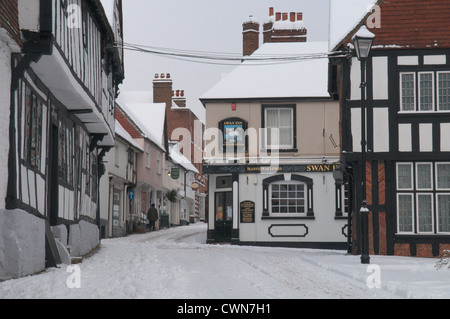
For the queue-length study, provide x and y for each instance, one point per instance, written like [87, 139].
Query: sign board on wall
[247, 212]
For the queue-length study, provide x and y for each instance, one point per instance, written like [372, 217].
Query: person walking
[152, 216]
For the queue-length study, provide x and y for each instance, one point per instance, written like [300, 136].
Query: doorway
[223, 216]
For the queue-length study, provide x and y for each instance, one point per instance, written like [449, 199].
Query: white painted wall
[5, 94]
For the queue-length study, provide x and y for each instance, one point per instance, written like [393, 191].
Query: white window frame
[417, 212]
[266, 128]
[437, 213]
[412, 214]
[436, 176]
[431, 188]
[412, 177]
[438, 104]
[401, 91]
[433, 89]
[305, 198]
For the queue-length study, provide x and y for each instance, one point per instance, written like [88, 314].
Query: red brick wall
[9, 19]
[250, 38]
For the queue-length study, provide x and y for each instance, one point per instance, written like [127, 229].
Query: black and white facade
[63, 89]
[408, 145]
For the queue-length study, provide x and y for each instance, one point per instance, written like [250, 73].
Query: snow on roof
[109, 6]
[127, 137]
[148, 116]
[179, 158]
[264, 79]
[345, 15]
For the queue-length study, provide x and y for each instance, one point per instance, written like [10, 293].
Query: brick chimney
[162, 89]
[250, 36]
[162, 93]
[284, 27]
[178, 98]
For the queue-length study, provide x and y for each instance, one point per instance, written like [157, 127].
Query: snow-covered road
[177, 264]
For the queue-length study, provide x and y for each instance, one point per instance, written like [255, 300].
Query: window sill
[286, 217]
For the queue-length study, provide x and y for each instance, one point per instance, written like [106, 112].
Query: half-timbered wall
[79, 40]
[408, 150]
[36, 113]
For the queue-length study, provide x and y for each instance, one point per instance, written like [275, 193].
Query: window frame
[438, 102]
[401, 91]
[419, 89]
[293, 127]
[415, 193]
[287, 183]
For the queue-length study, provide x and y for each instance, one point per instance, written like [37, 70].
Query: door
[223, 216]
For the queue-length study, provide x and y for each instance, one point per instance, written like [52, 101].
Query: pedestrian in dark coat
[152, 216]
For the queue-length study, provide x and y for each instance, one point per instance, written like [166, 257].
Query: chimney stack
[286, 27]
[250, 36]
[178, 98]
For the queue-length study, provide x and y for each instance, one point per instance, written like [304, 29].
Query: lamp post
[363, 41]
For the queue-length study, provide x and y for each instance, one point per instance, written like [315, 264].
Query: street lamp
[363, 41]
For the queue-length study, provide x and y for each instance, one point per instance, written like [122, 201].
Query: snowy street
[177, 264]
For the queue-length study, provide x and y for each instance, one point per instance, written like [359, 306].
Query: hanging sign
[175, 172]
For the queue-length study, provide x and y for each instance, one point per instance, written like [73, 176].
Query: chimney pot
[168, 75]
[182, 92]
[278, 16]
[156, 76]
[299, 16]
[285, 16]
[178, 93]
[292, 16]
[271, 12]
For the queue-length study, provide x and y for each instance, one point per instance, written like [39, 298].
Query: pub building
[272, 141]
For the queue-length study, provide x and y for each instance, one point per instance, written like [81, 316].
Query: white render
[445, 142]
[22, 244]
[5, 93]
[380, 78]
[404, 138]
[381, 129]
[426, 137]
[434, 59]
[408, 60]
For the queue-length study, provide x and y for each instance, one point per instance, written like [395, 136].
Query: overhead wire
[221, 58]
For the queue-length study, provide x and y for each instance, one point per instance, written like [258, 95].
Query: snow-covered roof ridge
[180, 159]
[303, 73]
[346, 16]
[124, 134]
[148, 116]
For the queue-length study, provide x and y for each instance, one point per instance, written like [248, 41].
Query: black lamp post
[363, 41]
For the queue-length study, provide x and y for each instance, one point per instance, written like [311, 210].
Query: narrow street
[177, 264]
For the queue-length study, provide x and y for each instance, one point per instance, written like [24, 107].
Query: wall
[22, 244]
[317, 125]
[5, 93]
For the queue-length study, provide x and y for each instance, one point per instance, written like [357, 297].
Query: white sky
[200, 25]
